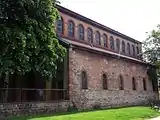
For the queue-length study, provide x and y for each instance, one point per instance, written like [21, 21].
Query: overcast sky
[130, 17]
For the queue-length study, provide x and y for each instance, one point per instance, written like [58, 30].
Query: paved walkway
[157, 118]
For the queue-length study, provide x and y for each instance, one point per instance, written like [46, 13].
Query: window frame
[81, 32]
[90, 36]
[105, 81]
[118, 44]
[134, 86]
[105, 40]
[97, 38]
[121, 82]
[112, 47]
[71, 31]
[144, 84]
[123, 47]
[128, 48]
[84, 80]
[61, 26]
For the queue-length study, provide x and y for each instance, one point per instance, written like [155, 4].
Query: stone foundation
[17, 109]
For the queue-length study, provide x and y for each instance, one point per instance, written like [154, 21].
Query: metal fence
[8, 95]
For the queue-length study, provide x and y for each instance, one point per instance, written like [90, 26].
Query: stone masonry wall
[95, 65]
[17, 109]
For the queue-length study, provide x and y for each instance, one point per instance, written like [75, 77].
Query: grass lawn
[130, 113]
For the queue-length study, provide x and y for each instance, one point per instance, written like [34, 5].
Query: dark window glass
[133, 50]
[105, 83]
[123, 47]
[84, 80]
[121, 83]
[105, 42]
[128, 49]
[112, 43]
[144, 84]
[71, 28]
[81, 32]
[133, 83]
[90, 35]
[60, 26]
[117, 44]
[97, 38]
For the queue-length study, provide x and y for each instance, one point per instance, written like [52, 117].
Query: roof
[94, 23]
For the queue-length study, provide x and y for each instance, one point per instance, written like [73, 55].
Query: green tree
[152, 48]
[28, 41]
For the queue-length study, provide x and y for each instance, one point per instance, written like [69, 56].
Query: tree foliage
[152, 48]
[28, 40]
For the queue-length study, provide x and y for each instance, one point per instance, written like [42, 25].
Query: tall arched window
[144, 84]
[121, 83]
[105, 42]
[137, 51]
[128, 49]
[133, 83]
[81, 32]
[84, 80]
[123, 47]
[90, 35]
[97, 38]
[60, 26]
[118, 44]
[105, 82]
[133, 50]
[70, 28]
[112, 43]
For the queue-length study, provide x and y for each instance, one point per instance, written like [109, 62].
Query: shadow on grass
[64, 113]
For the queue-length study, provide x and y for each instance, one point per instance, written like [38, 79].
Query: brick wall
[95, 65]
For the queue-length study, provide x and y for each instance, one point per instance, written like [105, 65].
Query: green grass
[130, 113]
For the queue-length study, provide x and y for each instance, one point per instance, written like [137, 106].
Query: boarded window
[133, 83]
[105, 82]
[84, 80]
[144, 84]
[81, 32]
[70, 28]
[121, 83]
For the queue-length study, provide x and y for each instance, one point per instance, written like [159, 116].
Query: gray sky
[130, 17]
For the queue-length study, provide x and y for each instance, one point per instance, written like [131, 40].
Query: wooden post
[48, 91]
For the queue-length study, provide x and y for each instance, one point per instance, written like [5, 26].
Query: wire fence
[9, 95]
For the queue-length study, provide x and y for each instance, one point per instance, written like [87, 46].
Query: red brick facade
[97, 60]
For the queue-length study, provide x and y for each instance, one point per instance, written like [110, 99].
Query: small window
[81, 32]
[105, 42]
[144, 84]
[70, 28]
[123, 47]
[121, 83]
[112, 43]
[133, 83]
[84, 80]
[90, 35]
[118, 44]
[97, 38]
[128, 49]
[133, 50]
[105, 82]
[60, 26]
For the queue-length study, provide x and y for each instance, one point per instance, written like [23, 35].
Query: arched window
[105, 82]
[70, 28]
[90, 35]
[60, 26]
[81, 32]
[97, 38]
[133, 50]
[137, 51]
[133, 83]
[112, 43]
[84, 80]
[123, 47]
[105, 42]
[144, 84]
[121, 83]
[118, 44]
[128, 49]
